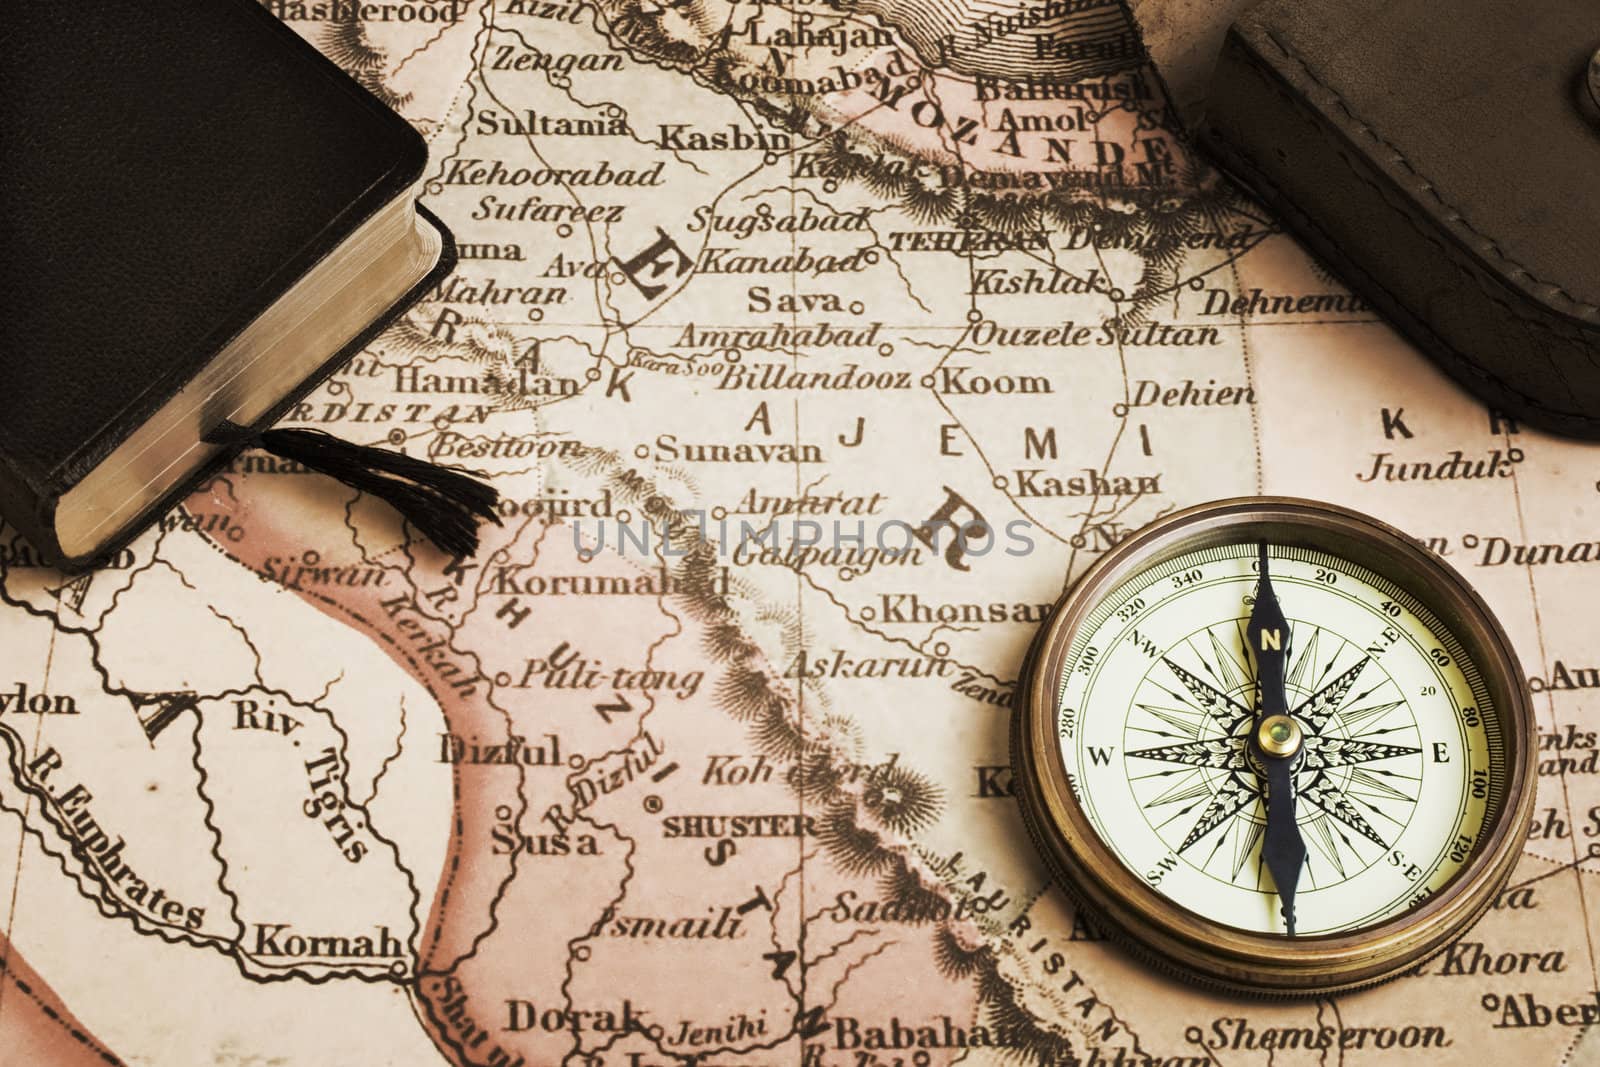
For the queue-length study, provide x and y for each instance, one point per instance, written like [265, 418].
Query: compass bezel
[1184, 942]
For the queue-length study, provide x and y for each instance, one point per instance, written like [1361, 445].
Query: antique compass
[1277, 747]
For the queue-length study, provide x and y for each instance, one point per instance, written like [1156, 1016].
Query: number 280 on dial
[1277, 747]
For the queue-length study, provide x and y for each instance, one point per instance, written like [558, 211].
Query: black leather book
[202, 217]
[1445, 159]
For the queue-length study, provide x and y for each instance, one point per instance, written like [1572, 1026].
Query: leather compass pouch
[1445, 159]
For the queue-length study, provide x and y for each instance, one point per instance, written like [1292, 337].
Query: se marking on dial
[1157, 700]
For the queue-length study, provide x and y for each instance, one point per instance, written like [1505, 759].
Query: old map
[703, 759]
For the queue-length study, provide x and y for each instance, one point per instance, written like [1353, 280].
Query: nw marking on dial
[1347, 791]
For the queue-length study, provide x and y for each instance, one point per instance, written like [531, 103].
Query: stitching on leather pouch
[1327, 248]
[1284, 204]
[1268, 76]
[1466, 268]
[1399, 157]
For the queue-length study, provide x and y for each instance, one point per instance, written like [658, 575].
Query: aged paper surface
[284, 786]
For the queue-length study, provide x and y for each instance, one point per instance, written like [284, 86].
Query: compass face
[1401, 763]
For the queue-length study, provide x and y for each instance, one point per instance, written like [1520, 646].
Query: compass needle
[1276, 746]
[1276, 739]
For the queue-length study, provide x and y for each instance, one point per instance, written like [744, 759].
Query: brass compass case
[1212, 953]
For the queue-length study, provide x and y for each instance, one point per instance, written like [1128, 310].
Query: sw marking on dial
[1158, 701]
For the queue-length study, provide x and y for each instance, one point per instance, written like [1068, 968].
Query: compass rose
[1346, 708]
[1278, 745]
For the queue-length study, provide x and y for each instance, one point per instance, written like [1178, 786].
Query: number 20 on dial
[1277, 747]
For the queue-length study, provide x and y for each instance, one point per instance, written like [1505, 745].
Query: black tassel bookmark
[445, 503]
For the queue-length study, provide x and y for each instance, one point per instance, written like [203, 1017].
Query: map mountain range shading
[547, 891]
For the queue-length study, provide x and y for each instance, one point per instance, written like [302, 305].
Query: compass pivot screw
[1279, 736]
